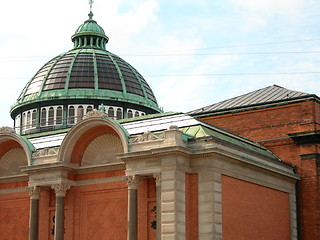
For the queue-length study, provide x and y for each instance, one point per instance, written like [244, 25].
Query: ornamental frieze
[6, 130]
[147, 136]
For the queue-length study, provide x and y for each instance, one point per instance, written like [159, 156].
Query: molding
[146, 137]
[14, 178]
[309, 156]
[95, 114]
[99, 181]
[45, 152]
[307, 137]
[13, 190]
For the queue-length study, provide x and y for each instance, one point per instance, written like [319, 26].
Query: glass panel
[130, 114]
[43, 117]
[71, 113]
[34, 118]
[108, 74]
[51, 116]
[111, 112]
[89, 109]
[59, 115]
[82, 74]
[28, 124]
[119, 113]
[136, 114]
[80, 112]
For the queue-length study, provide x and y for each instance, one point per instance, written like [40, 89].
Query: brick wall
[250, 211]
[14, 216]
[270, 127]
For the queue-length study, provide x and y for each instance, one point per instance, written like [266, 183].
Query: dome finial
[90, 3]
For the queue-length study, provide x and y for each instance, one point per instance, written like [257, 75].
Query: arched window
[24, 120]
[110, 112]
[43, 117]
[130, 114]
[28, 124]
[136, 114]
[71, 113]
[80, 113]
[59, 115]
[34, 118]
[18, 124]
[89, 109]
[51, 116]
[142, 114]
[119, 114]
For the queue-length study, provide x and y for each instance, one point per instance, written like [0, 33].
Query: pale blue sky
[192, 52]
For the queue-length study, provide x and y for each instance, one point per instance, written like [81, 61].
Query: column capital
[157, 176]
[60, 189]
[133, 181]
[34, 192]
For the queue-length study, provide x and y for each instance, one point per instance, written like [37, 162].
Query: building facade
[288, 124]
[92, 156]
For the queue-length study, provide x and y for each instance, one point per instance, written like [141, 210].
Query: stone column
[60, 190]
[132, 182]
[34, 193]
[157, 176]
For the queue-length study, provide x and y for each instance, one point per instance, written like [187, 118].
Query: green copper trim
[66, 86]
[95, 69]
[48, 73]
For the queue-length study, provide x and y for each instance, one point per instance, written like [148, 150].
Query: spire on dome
[90, 3]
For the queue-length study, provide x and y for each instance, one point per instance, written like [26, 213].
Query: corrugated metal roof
[269, 94]
[48, 141]
[159, 123]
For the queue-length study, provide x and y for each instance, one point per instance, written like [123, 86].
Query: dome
[87, 75]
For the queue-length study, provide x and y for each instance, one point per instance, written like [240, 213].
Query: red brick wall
[251, 211]
[270, 127]
[14, 216]
[192, 231]
[268, 123]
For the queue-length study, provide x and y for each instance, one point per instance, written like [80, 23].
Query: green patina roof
[90, 26]
[200, 131]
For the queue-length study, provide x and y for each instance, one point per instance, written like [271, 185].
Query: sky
[193, 53]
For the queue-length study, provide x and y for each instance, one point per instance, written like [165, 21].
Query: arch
[12, 141]
[82, 134]
[98, 153]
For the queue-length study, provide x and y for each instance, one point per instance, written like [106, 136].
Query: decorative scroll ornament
[157, 176]
[133, 181]
[147, 136]
[34, 192]
[6, 130]
[95, 114]
[45, 152]
[60, 189]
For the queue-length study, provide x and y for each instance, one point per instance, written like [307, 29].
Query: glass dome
[87, 75]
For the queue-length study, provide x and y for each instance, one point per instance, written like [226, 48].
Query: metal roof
[262, 96]
[190, 126]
